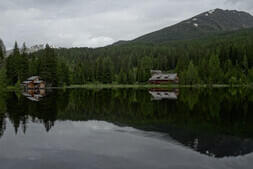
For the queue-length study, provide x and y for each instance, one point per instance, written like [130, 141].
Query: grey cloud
[94, 23]
[242, 4]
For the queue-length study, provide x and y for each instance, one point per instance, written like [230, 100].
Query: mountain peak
[212, 21]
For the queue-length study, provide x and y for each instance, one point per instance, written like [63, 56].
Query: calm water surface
[127, 128]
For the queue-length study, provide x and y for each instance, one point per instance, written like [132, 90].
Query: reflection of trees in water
[2, 114]
[21, 109]
[197, 111]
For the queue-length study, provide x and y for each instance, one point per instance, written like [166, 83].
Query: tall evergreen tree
[3, 78]
[107, 70]
[63, 74]
[23, 64]
[12, 66]
[191, 75]
[215, 71]
[48, 66]
[145, 67]
[99, 69]
[122, 78]
[1, 55]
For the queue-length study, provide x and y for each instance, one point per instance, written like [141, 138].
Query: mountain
[213, 21]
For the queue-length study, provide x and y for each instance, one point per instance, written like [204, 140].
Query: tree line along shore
[214, 61]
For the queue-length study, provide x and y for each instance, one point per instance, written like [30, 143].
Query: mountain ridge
[213, 21]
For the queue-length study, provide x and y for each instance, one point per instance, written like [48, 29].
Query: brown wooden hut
[158, 77]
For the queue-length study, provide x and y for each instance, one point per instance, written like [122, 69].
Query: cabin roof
[33, 78]
[26, 82]
[171, 76]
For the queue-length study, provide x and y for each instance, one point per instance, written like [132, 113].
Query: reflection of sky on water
[98, 144]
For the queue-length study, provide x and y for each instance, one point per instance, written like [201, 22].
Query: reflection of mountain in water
[217, 122]
[210, 144]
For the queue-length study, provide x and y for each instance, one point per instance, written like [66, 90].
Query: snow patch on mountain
[211, 11]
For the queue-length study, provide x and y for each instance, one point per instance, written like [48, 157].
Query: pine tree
[141, 77]
[16, 49]
[99, 69]
[182, 64]
[146, 66]
[48, 66]
[33, 66]
[63, 74]
[122, 78]
[1, 55]
[77, 74]
[23, 64]
[203, 70]
[131, 77]
[3, 78]
[107, 70]
[214, 69]
[12, 66]
[192, 76]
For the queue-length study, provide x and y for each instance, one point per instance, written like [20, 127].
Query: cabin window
[166, 77]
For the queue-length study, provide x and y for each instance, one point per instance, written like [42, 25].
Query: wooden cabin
[34, 82]
[159, 78]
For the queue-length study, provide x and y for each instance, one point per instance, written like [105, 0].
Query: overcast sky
[95, 23]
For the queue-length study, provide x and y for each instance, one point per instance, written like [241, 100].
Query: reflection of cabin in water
[34, 95]
[34, 82]
[160, 94]
[158, 77]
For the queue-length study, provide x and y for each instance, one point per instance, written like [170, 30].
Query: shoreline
[95, 86]
[139, 86]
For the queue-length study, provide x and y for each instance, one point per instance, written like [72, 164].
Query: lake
[127, 129]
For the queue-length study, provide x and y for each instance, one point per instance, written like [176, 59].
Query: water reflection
[34, 94]
[160, 94]
[214, 122]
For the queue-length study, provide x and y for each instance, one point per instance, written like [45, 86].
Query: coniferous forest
[225, 58]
